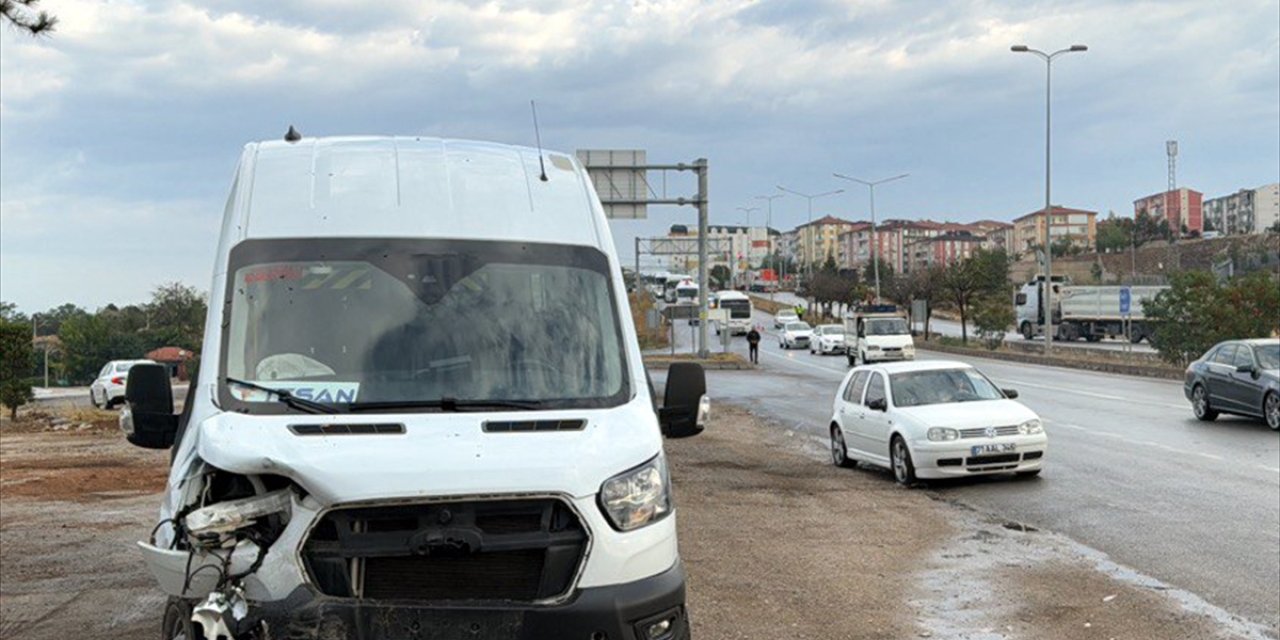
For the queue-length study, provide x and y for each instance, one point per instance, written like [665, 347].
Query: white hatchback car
[933, 419]
[827, 338]
[781, 318]
[108, 389]
[795, 335]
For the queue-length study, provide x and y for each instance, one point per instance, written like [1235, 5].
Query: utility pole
[808, 228]
[875, 240]
[700, 165]
[1048, 206]
[768, 229]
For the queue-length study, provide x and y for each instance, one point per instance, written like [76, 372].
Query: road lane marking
[1089, 393]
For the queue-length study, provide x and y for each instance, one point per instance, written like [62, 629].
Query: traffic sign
[1125, 299]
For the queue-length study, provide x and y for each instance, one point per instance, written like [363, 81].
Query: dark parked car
[1240, 377]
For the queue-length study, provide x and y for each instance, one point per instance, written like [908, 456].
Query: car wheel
[1200, 404]
[1271, 409]
[177, 623]
[93, 399]
[1028, 474]
[903, 470]
[1027, 331]
[840, 452]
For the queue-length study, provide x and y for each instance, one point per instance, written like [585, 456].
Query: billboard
[620, 180]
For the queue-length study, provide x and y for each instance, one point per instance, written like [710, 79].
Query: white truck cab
[877, 333]
[421, 409]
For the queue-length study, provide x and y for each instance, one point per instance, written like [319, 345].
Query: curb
[1147, 371]
[710, 365]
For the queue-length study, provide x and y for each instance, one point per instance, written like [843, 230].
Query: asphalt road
[1130, 472]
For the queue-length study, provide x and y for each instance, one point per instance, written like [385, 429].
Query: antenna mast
[542, 165]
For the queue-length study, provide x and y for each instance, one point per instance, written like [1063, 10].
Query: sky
[120, 131]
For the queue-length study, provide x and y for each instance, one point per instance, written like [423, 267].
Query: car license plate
[992, 448]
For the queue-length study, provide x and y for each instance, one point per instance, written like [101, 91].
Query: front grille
[518, 426]
[499, 550]
[981, 432]
[1000, 458]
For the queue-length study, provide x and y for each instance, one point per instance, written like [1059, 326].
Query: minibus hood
[437, 454]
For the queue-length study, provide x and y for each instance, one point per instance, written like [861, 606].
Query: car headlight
[641, 496]
[1031, 427]
[942, 434]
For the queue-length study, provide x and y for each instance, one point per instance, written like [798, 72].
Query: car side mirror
[1010, 393]
[685, 405]
[1244, 368]
[149, 421]
[1021, 299]
[879, 404]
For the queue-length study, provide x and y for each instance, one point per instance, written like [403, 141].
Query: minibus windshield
[421, 323]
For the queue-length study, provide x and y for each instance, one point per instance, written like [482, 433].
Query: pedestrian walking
[753, 345]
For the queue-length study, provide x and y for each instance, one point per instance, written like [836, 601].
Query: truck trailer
[1086, 311]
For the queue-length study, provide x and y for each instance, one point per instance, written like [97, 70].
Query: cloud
[155, 99]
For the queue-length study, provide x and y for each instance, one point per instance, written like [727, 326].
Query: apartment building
[1182, 208]
[1078, 226]
[817, 240]
[747, 246]
[1245, 211]
[944, 249]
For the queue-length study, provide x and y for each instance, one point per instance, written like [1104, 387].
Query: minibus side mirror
[685, 405]
[149, 421]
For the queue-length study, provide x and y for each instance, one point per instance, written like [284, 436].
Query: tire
[904, 471]
[1028, 474]
[177, 624]
[1092, 338]
[1027, 331]
[93, 400]
[1271, 410]
[839, 451]
[1200, 404]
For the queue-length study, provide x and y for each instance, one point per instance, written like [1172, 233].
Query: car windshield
[737, 308]
[1268, 356]
[124, 366]
[421, 321]
[941, 386]
[886, 327]
[797, 326]
[830, 330]
[686, 293]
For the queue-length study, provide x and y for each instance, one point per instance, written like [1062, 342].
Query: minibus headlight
[638, 497]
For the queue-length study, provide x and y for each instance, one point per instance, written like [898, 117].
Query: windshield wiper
[446, 404]
[301, 404]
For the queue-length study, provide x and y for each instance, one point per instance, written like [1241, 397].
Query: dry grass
[650, 337]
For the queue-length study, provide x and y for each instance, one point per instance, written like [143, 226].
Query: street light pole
[1048, 206]
[768, 227]
[747, 253]
[810, 197]
[875, 241]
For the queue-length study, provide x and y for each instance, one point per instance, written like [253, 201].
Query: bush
[15, 358]
[1197, 312]
[992, 316]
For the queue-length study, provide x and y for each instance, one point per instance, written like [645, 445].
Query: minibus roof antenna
[538, 136]
[292, 135]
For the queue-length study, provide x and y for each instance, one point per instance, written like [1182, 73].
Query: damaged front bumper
[647, 609]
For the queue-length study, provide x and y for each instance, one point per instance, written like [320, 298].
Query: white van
[877, 333]
[421, 410]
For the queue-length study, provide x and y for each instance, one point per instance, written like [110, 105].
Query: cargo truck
[1086, 311]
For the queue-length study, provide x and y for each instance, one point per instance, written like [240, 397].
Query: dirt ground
[777, 544]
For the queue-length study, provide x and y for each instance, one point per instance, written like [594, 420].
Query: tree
[719, 276]
[22, 14]
[15, 361]
[175, 316]
[961, 284]
[1197, 312]
[1114, 234]
[89, 341]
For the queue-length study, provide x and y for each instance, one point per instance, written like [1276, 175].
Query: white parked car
[781, 318]
[795, 335]
[108, 389]
[827, 338]
[933, 419]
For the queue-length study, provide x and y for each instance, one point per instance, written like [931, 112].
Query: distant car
[781, 318]
[1240, 377]
[827, 338]
[795, 335]
[108, 389]
[933, 419]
